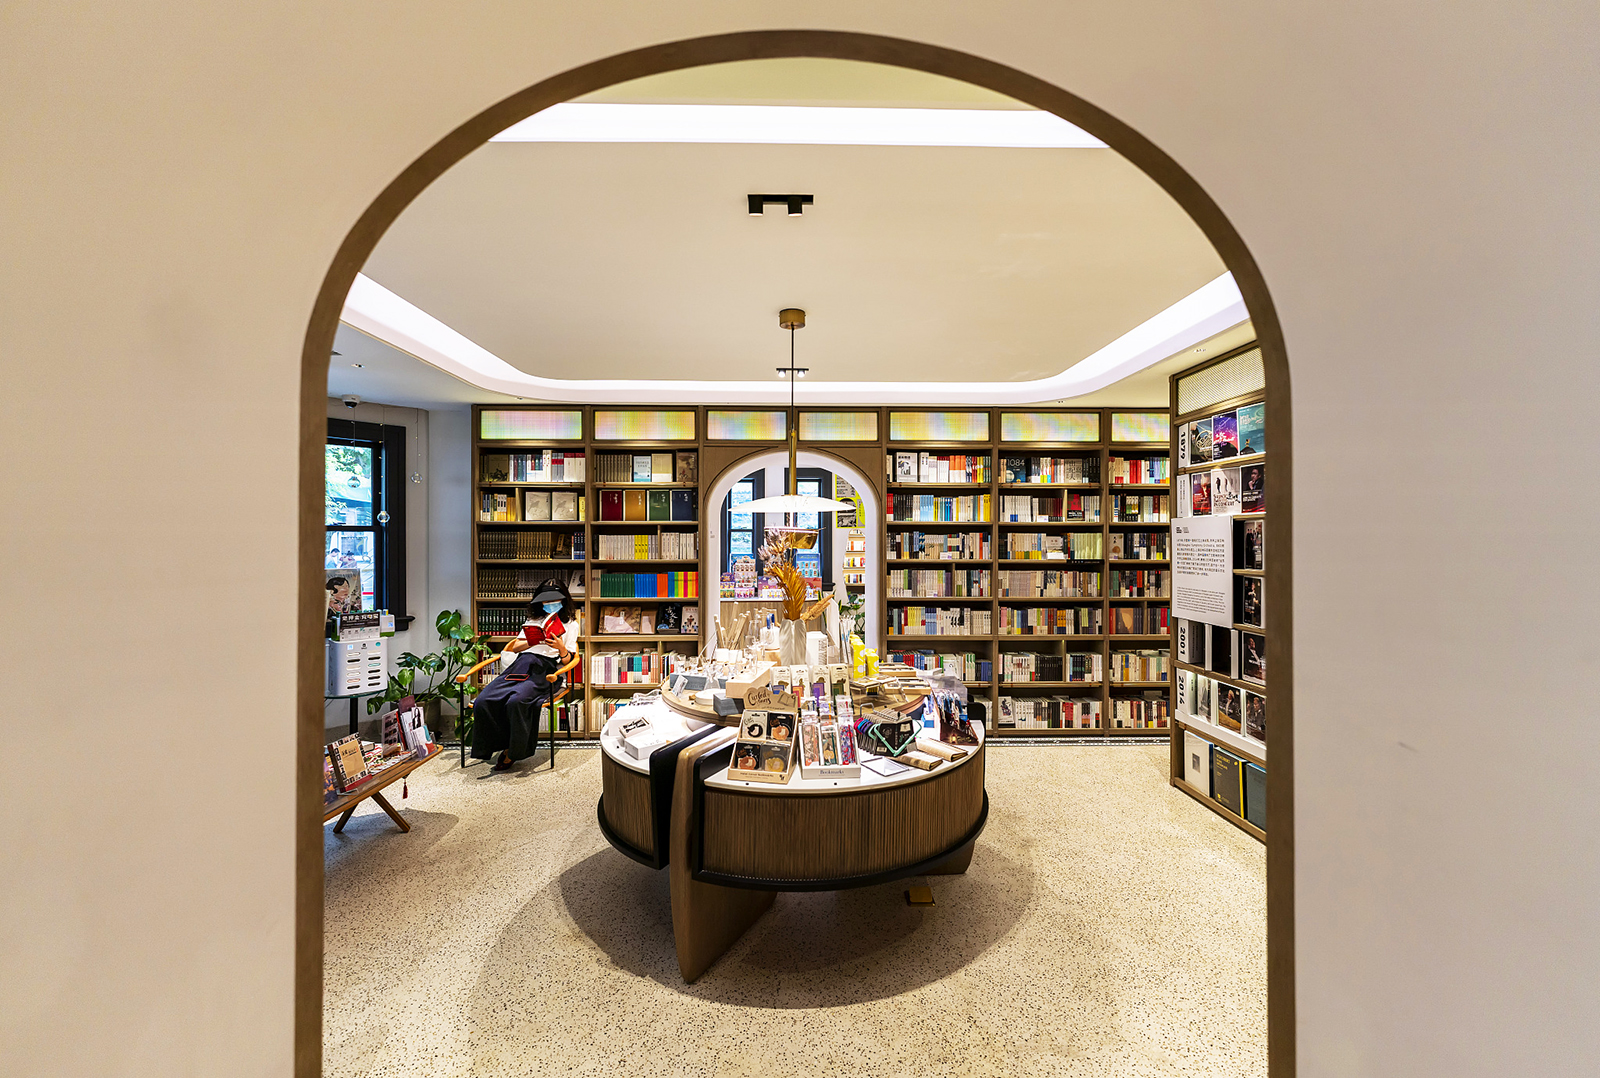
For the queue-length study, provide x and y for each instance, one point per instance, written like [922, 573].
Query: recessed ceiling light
[1199, 349]
[358, 366]
[799, 125]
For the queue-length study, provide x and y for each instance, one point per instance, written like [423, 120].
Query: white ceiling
[915, 263]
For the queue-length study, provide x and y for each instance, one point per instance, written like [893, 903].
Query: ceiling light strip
[800, 125]
[1204, 313]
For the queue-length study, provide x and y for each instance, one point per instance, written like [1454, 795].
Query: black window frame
[824, 479]
[757, 520]
[389, 493]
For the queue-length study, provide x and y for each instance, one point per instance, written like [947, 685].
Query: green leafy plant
[433, 676]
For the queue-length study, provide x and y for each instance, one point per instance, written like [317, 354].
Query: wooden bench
[345, 805]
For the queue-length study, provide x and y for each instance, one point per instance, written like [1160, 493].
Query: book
[1203, 697]
[1200, 442]
[414, 729]
[1253, 658]
[1201, 495]
[1255, 716]
[1253, 488]
[683, 505]
[564, 505]
[641, 468]
[687, 469]
[1224, 436]
[658, 505]
[1229, 707]
[536, 505]
[635, 505]
[1252, 429]
[1255, 794]
[1197, 762]
[905, 467]
[343, 589]
[496, 468]
[1224, 492]
[1184, 506]
[1253, 545]
[1183, 445]
[1252, 601]
[349, 764]
[611, 505]
[1227, 780]
[661, 468]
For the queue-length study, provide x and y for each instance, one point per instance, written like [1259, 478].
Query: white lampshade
[793, 503]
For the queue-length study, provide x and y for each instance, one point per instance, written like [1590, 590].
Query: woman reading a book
[505, 726]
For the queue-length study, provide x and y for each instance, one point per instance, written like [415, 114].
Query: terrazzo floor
[1108, 926]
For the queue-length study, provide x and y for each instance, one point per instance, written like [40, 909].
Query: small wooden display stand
[345, 806]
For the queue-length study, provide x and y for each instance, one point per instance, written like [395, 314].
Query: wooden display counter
[732, 844]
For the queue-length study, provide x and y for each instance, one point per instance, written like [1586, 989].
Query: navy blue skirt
[506, 713]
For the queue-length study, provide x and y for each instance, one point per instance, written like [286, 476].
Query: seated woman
[506, 713]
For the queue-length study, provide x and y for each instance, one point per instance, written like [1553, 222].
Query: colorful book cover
[1252, 601]
[641, 467]
[1253, 658]
[1255, 795]
[1224, 436]
[1200, 442]
[1230, 708]
[1252, 428]
[659, 505]
[683, 505]
[1227, 785]
[688, 467]
[635, 505]
[1201, 495]
[1253, 488]
[611, 505]
[1255, 716]
[1224, 492]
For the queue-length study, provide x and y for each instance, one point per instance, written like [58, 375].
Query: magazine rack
[344, 806]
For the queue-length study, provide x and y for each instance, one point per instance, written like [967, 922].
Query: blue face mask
[552, 608]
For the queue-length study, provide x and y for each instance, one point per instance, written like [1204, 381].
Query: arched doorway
[872, 502]
[772, 44]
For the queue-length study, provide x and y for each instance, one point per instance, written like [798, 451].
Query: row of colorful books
[1140, 469]
[648, 546]
[959, 509]
[1070, 546]
[1049, 584]
[937, 468]
[531, 545]
[684, 585]
[1052, 621]
[648, 505]
[668, 467]
[941, 546]
[1085, 666]
[940, 621]
[966, 665]
[1047, 713]
[939, 584]
[1057, 509]
[1147, 665]
[542, 466]
[1076, 470]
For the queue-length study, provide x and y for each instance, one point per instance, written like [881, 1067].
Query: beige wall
[1416, 180]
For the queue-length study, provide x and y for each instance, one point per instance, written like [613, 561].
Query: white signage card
[1202, 569]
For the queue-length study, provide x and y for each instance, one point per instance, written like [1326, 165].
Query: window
[364, 511]
[742, 529]
[818, 561]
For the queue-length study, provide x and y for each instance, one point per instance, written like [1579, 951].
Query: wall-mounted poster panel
[1202, 569]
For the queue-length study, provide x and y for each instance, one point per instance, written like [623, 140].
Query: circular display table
[732, 843]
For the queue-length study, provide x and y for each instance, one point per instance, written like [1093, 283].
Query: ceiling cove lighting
[378, 312]
[800, 125]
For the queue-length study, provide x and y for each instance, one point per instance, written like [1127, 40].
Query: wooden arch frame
[775, 44]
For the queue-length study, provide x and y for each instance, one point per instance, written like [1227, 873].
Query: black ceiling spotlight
[796, 203]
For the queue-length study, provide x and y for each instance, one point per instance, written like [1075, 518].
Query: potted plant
[462, 648]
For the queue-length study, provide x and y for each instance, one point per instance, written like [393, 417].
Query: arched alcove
[871, 503]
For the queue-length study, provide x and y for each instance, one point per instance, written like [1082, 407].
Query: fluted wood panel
[625, 796]
[857, 833]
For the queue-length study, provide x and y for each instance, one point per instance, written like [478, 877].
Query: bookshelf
[1071, 595]
[1219, 692]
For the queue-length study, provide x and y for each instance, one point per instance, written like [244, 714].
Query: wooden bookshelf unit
[1045, 589]
[1207, 749]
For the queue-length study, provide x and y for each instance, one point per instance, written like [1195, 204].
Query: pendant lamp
[792, 503]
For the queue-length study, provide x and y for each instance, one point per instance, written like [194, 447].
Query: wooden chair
[555, 698]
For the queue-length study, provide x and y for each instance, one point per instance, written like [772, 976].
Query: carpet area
[1109, 925]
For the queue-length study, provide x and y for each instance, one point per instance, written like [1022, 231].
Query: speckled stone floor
[1108, 926]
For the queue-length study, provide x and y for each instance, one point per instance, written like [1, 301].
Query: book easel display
[1219, 607]
[1026, 550]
